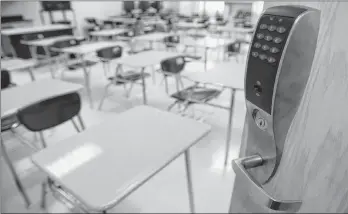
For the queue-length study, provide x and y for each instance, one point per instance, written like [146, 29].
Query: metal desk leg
[81, 122]
[143, 85]
[189, 180]
[153, 74]
[229, 127]
[31, 73]
[205, 58]
[88, 84]
[19, 184]
[49, 59]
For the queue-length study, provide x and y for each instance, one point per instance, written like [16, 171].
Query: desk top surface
[86, 48]
[229, 74]
[21, 96]
[233, 29]
[189, 25]
[49, 41]
[153, 36]
[108, 32]
[207, 42]
[146, 58]
[34, 29]
[17, 64]
[106, 162]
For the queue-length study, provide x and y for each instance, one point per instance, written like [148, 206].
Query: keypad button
[277, 40]
[265, 47]
[271, 60]
[280, 20]
[260, 36]
[257, 45]
[272, 28]
[263, 56]
[268, 38]
[255, 54]
[274, 50]
[263, 26]
[281, 29]
[271, 18]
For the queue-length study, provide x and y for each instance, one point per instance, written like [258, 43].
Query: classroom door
[314, 166]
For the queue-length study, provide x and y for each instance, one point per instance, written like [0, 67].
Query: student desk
[228, 75]
[15, 98]
[21, 96]
[143, 60]
[153, 37]
[108, 33]
[231, 29]
[104, 164]
[13, 64]
[208, 43]
[14, 37]
[87, 48]
[46, 43]
[189, 25]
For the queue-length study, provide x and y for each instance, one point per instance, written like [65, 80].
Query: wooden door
[314, 166]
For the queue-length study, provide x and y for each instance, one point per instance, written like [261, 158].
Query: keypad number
[257, 45]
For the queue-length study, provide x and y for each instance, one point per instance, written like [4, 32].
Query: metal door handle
[240, 166]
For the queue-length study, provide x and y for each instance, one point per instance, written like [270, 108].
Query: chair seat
[196, 94]
[78, 65]
[129, 76]
[189, 58]
[9, 122]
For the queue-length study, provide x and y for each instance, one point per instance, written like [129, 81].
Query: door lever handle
[240, 167]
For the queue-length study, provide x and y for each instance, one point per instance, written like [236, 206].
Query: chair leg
[104, 95]
[166, 84]
[22, 140]
[172, 105]
[43, 141]
[19, 184]
[75, 125]
[43, 203]
[82, 124]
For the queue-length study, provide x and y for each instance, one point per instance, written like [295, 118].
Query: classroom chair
[172, 42]
[195, 94]
[233, 50]
[107, 54]
[120, 77]
[70, 60]
[47, 114]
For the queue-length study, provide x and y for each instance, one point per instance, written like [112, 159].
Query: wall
[83, 9]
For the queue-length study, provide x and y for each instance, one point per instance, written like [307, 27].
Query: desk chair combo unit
[195, 94]
[111, 161]
[48, 114]
[40, 108]
[80, 51]
[40, 48]
[120, 77]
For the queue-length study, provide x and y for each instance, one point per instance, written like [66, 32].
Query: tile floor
[167, 191]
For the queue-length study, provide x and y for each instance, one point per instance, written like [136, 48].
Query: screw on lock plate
[259, 120]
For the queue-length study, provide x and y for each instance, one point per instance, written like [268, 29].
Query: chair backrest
[173, 65]
[65, 43]
[233, 47]
[30, 37]
[5, 79]
[172, 39]
[110, 52]
[50, 112]
[92, 21]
